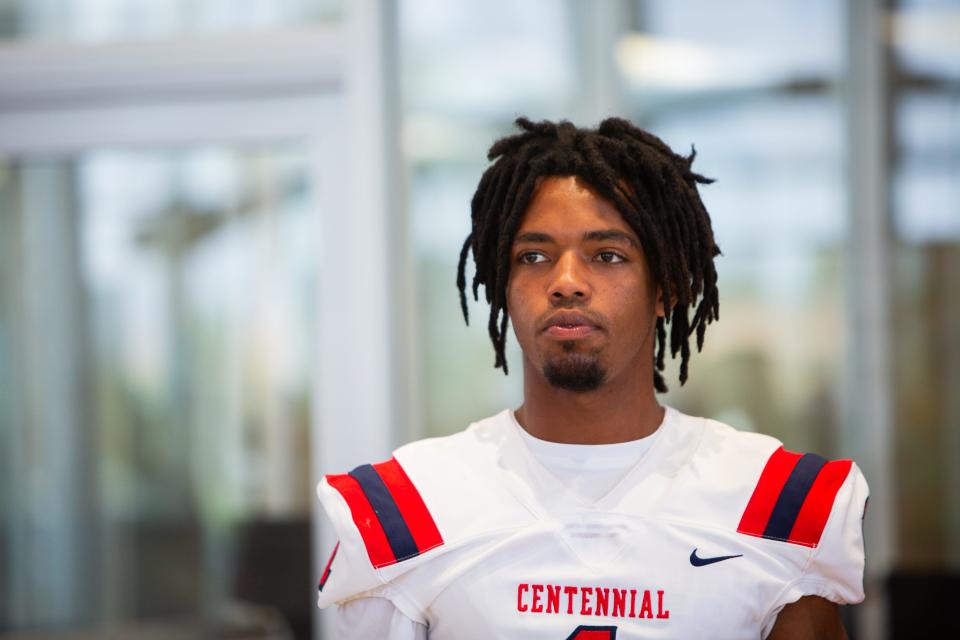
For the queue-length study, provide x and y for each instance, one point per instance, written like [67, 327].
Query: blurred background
[228, 239]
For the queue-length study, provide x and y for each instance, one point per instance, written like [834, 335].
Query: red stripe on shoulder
[412, 508]
[374, 537]
[326, 569]
[774, 476]
[813, 515]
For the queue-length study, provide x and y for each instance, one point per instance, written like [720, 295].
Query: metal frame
[868, 396]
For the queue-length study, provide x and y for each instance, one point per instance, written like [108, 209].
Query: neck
[624, 408]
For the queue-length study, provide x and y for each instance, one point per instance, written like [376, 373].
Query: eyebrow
[538, 237]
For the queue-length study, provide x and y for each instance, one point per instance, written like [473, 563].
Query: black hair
[653, 188]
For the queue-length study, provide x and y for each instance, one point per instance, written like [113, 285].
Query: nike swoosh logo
[697, 561]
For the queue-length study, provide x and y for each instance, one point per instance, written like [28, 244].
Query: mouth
[570, 325]
[572, 332]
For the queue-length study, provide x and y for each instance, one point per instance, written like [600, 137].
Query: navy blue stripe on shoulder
[792, 496]
[388, 513]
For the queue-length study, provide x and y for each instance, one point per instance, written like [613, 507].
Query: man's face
[580, 295]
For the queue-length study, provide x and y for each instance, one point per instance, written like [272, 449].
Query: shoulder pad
[433, 496]
[388, 511]
[793, 497]
[380, 520]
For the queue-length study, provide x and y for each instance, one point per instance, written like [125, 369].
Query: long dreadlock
[654, 190]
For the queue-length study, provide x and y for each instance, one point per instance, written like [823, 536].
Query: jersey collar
[640, 490]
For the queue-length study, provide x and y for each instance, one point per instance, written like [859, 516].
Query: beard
[576, 372]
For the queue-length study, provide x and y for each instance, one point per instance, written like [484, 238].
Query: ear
[659, 306]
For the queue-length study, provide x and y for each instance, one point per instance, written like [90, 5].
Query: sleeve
[383, 526]
[834, 570]
[348, 572]
[375, 616]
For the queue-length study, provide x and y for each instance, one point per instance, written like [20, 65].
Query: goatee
[574, 371]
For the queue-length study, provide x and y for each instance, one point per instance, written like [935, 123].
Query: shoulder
[795, 506]
[719, 467]
[750, 483]
[796, 510]
[461, 475]
[391, 516]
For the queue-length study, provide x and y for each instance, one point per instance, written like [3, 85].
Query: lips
[570, 325]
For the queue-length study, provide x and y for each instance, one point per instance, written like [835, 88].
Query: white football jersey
[710, 534]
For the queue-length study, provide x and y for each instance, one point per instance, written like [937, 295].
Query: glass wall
[157, 313]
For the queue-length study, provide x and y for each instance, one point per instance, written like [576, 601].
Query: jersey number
[584, 632]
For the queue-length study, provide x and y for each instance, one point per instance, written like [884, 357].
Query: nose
[569, 279]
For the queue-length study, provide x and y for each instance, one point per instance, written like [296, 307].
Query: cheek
[522, 315]
[514, 306]
[512, 299]
[633, 302]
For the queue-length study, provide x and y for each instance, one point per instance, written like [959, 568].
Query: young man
[591, 512]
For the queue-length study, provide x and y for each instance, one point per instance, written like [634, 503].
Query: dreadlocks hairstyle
[654, 190]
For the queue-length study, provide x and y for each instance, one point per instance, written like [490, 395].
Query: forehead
[570, 203]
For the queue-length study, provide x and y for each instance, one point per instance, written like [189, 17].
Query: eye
[610, 257]
[531, 257]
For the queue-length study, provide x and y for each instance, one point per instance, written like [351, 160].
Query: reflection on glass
[159, 315]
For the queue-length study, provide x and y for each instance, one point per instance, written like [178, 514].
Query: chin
[580, 373]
